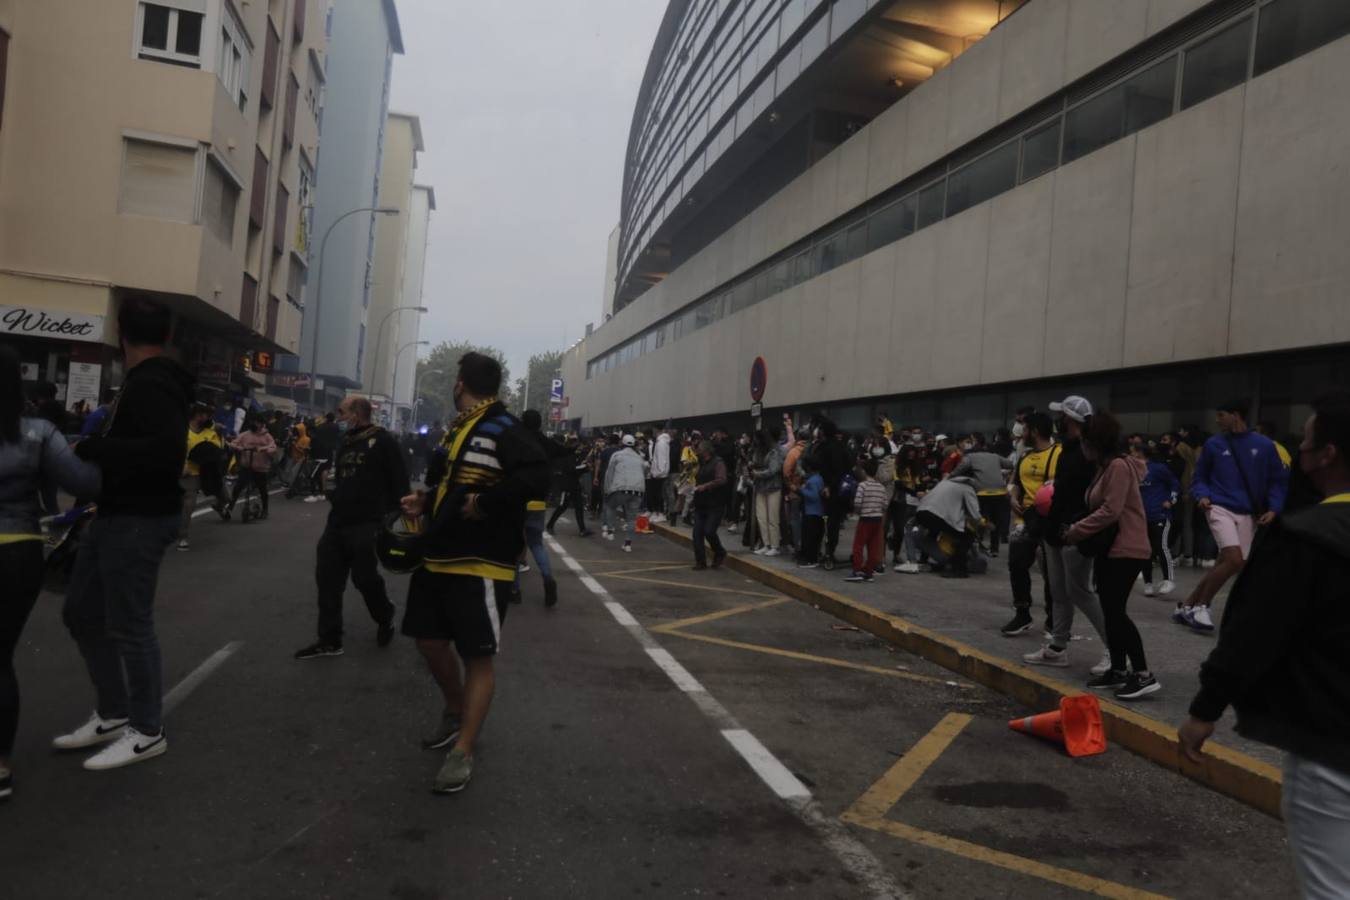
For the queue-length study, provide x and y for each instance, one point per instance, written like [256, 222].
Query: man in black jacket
[1069, 571]
[475, 527]
[371, 477]
[109, 606]
[832, 460]
[573, 468]
[1283, 657]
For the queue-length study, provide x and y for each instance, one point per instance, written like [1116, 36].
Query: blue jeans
[623, 505]
[534, 539]
[110, 612]
[1316, 805]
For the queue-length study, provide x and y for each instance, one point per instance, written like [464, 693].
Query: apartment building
[164, 147]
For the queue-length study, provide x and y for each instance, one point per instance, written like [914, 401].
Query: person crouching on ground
[869, 502]
[475, 527]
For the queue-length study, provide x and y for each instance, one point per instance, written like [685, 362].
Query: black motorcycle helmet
[398, 545]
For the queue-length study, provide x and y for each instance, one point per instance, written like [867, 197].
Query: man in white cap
[1069, 571]
[625, 483]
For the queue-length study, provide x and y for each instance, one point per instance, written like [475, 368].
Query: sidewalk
[973, 610]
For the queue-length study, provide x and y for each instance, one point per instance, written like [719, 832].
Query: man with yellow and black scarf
[474, 516]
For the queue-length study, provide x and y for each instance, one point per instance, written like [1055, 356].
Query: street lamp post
[318, 290]
[393, 400]
[379, 341]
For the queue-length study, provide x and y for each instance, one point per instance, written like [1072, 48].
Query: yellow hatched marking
[685, 584]
[713, 617]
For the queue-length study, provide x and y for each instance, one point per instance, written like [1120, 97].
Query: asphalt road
[600, 773]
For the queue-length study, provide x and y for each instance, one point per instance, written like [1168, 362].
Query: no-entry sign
[759, 379]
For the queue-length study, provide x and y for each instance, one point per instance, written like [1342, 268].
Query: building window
[1291, 28]
[4, 66]
[1121, 110]
[220, 202]
[1216, 64]
[169, 35]
[158, 180]
[304, 197]
[986, 177]
[295, 283]
[233, 64]
[932, 200]
[1040, 150]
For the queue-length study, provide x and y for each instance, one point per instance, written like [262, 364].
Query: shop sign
[84, 382]
[55, 325]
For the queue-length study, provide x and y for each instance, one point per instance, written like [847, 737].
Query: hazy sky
[525, 109]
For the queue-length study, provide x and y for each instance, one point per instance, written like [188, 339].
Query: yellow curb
[1225, 770]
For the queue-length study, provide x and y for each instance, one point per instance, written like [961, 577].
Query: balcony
[288, 119]
[269, 75]
[279, 229]
[258, 195]
[273, 311]
[248, 301]
[299, 21]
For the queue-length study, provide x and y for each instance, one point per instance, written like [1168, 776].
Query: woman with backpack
[1115, 532]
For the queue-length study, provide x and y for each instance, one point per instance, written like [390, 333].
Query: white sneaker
[92, 733]
[627, 546]
[1048, 656]
[1184, 561]
[1103, 666]
[759, 551]
[609, 535]
[1200, 619]
[523, 567]
[131, 747]
[908, 568]
[658, 518]
[1166, 588]
[183, 544]
[1149, 590]
[314, 498]
[771, 551]
[1206, 563]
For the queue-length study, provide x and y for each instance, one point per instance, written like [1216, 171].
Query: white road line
[194, 679]
[766, 765]
[847, 849]
[202, 512]
[678, 673]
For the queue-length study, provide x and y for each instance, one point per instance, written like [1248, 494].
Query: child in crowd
[869, 502]
[1159, 489]
[813, 515]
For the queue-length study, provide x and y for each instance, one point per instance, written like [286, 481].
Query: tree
[543, 368]
[436, 379]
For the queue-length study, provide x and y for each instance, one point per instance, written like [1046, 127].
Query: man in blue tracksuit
[1240, 482]
[1159, 489]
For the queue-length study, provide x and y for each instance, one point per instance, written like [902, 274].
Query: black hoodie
[141, 446]
[1283, 656]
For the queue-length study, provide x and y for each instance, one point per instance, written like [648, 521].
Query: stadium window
[1290, 28]
[1216, 64]
[1040, 150]
[932, 200]
[1138, 102]
[891, 223]
[986, 177]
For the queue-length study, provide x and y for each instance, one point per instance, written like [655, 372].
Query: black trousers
[705, 530]
[1022, 557]
[344, 550]
[571, 494]
[656, 495]
[813, 527]
[1159, 534]
[1115, 579]
[22, 564]
[836, 511]
[997, 508]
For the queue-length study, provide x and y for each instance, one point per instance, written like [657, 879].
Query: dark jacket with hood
[1283, 656]
[140, 449]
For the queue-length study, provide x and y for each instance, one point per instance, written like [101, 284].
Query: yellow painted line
[686, 584]
[1067, 877]
[664, 568]
[726, 613]
[888, 790]
[801, 657]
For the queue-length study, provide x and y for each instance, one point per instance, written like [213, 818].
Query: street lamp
[393, 391]
[318, 290]
[379, 341]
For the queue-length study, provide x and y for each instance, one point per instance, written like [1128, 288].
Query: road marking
[660, 568]
[678, 673]
[621, 615]
[806, 657]
[686, 584]
[766, 765]
[874, 878]
[194, 679]
[870, 811]
[713, 617]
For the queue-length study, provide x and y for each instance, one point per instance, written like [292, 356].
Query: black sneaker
[1108, 679]
[718, 559]
[1137, 686]
[828, 563]
[1020, 624]
[446, 732]
[384, 635]
[515, 593]
[586, 533]
[550, 593]
[856, 577]
[316, 650]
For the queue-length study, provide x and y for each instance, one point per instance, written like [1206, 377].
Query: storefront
[64, 348]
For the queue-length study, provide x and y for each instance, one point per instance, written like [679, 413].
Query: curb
[1235, 774]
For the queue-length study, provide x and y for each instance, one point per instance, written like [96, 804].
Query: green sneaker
[454, 774]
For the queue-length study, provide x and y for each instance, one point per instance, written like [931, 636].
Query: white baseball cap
[629, 440]
[1075, 407]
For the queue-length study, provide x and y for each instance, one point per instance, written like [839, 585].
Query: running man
[474, 535]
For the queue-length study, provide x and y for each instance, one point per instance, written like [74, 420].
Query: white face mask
[878, 452]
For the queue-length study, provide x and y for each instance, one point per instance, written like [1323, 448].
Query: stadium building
[947, 209]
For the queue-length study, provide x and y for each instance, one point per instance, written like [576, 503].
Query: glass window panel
[829, 253]
[155, 30]
[891, 223]
[1290, 28]
[931, 202]
[855, 242]
[189, 34]
[815, 40]
[744, 116]
[762, 289]
[742, 295]
[763, 97]
[790, 19]
[1122, 110]
[159, 180]
[1217, 64]
[1040, 150]
[844, 14]
[803, 267]
[986, 177]
[779, 277]
[1150, 96]
[220, 198]
[789, 67]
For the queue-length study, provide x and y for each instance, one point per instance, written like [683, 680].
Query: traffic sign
[759, 379]
[555, 394]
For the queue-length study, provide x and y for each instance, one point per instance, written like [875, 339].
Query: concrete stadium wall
[1218, 231]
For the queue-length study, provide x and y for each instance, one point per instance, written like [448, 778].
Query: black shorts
[466, 609]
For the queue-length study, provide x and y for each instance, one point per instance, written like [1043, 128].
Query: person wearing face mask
[1282, 660]
[371, 477]
[989, 473]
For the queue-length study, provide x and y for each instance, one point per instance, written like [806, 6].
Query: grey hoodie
[41, 456]
[954, 502]
[987, 471]
[626, 472]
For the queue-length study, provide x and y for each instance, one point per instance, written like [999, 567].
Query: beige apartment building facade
[164, 147]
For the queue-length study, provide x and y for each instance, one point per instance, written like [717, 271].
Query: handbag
[1096, 546]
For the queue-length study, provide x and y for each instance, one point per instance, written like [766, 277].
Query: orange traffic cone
[644, 524]
[1077, 724]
